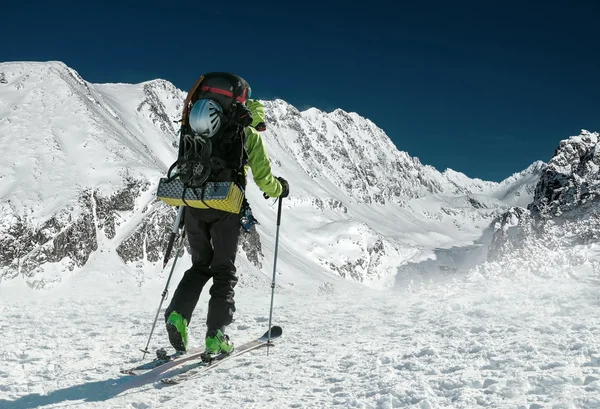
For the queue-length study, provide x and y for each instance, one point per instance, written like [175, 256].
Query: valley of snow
[475, 343]
[383, 289]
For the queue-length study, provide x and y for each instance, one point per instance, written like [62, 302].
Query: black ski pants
[213, 236]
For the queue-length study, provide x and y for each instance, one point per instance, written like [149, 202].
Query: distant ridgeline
[84, 161]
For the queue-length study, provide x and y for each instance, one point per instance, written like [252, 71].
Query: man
[213, 234]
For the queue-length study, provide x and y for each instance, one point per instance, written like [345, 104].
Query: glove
[241, 115]
[258, 114]
[285, 188]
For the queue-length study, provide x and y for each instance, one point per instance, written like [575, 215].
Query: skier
[213, 234]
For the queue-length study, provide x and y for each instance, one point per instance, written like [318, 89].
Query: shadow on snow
[96, 391]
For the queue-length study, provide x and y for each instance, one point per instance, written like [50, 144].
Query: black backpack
[222, 157]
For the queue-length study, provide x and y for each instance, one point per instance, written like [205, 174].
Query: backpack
[209, 168]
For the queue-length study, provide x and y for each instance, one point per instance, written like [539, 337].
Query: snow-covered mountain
[571, 181]
[82, 163]
[560, 228]
[77, 200]
[78, 158]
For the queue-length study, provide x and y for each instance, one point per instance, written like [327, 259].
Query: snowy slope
[79, 167]
[519, 189]
[85, 160]
[60, 134]
[379, 208]
[78, 215]
[485, 344]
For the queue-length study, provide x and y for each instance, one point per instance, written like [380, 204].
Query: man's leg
[188, 291]
[225, 231]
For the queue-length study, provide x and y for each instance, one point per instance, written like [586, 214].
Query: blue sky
[482, 87]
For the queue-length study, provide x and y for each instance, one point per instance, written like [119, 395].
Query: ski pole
[176, 226]
[274, 272]
[174, 231]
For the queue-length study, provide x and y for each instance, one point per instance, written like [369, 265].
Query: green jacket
[260, 164]
[258, 111]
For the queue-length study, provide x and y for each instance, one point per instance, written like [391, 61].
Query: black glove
[260, 127]
[285, 188]
[241, 115]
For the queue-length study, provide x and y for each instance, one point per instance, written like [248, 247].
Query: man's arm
[260, 164]
[258, 114]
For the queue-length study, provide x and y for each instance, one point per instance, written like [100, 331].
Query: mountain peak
[85, 158]
[535, 168]
[35, 65]
[461, 179]
[571, 178]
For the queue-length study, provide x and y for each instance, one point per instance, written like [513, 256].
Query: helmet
[205, 117]
[223, 87]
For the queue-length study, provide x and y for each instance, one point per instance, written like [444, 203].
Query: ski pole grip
[279, 212]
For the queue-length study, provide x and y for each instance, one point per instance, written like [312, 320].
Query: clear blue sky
[484, 87]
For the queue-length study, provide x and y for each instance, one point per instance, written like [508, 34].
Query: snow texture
[526, 344]
[397, 286]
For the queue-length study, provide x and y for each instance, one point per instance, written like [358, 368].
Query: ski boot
[177, 330]
[217, 344]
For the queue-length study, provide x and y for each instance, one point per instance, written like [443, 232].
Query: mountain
[83, 162]
[559, 229]
[510, 321]
[78, 163]
[571, 181]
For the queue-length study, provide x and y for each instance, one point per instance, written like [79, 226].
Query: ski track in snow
[462, 345]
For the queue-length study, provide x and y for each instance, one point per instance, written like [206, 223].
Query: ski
[162, 358]
[195, 369]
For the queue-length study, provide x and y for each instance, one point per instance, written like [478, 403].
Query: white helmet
[205, 117]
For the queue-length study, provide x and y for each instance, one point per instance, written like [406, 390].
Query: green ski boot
[177, 330]
[217, 343]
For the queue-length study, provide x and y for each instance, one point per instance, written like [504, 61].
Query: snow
[465, 344]
[59, 138]
[381, 290]
[72, 138]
